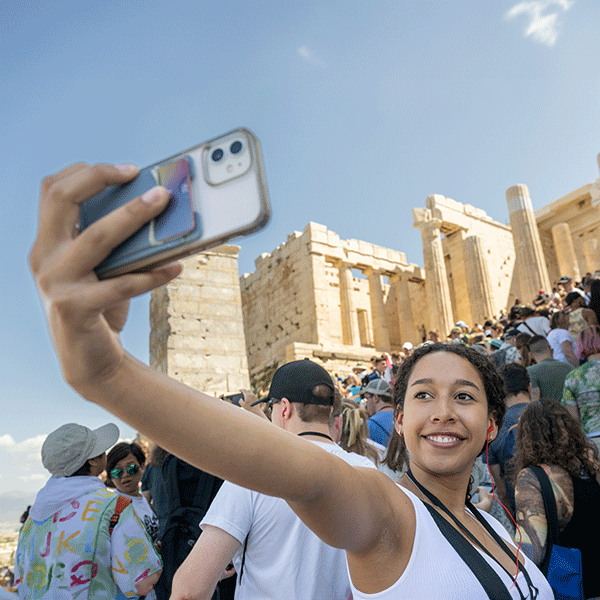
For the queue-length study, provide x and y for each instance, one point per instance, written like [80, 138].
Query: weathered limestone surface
[478, 280]
[196, 328]
[565, 252]
[436, 283]
[342, 301]
[532, 271]
[315, 293]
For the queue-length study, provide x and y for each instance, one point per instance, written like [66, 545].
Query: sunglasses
[117, 473]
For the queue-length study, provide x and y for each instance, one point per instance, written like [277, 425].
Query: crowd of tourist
[151, 525]
[360, 486]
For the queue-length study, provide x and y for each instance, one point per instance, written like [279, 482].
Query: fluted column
[381, 336]
[350, 331]
[532, 270]
[565, 253]
[436, 280]
[478, 280]
[406, 318]
[592, 255]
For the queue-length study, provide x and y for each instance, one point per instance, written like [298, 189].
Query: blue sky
[363, 109]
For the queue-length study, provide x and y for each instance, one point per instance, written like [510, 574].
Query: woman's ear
[492, 431]
[398, 421]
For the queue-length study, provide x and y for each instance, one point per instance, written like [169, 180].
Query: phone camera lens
[235, 147]
[217, 155]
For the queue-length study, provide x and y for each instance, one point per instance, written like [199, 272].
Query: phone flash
[229, 168]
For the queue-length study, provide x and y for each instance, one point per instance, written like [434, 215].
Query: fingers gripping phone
[218, 192]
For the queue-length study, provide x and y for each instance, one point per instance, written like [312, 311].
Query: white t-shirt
[437, 572]
[150, 522]
[555, 338]
[535, 326]
[145, 514]
[284, 558]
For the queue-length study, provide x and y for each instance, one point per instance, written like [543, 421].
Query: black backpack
[182, 528]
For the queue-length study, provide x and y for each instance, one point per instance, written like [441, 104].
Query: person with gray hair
[81, 540]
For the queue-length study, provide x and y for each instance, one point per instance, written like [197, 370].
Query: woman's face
[445, 417]
[127, 483]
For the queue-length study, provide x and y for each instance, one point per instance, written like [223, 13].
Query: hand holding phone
[218, 192]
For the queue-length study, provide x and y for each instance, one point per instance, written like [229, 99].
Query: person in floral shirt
[581, 394]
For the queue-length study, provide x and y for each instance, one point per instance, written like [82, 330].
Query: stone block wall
[293, 303]
[196, 327]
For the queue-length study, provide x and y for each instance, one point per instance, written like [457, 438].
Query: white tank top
[435, 570]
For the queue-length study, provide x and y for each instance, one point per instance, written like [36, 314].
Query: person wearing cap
[407, 349]
[533, 323]
[379, 367]
[567, 284]
[280, 557]
[81, 540]
[508, 352]
[378, 394]
[580, 317]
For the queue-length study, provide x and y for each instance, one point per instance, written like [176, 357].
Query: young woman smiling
[419, 539]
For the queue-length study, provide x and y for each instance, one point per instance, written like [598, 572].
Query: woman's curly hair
[547, 434]
[493, 385]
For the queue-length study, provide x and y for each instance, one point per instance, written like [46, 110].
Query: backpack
[182, 527]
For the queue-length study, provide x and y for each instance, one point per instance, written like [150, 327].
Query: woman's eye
[464, 397]
[422, 395]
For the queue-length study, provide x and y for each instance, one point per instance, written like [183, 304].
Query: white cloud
[34, 477]
[310, 57]
[21, 464]
[543, 26]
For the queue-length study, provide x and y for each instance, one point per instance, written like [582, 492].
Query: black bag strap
[551, 514]
[243, 558]
[488, 578]
[466, 533]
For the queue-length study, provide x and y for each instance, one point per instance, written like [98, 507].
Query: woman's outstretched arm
[85, 316]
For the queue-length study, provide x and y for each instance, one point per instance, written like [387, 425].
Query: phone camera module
[235, 147]
[217, 155]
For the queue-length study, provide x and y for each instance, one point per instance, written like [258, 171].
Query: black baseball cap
[296, 381]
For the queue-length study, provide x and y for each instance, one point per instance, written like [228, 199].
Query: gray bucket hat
[66, 449]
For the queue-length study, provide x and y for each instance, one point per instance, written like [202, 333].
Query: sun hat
[377, 387]
[66, 449]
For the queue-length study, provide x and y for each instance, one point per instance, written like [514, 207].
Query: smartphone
[218, 193]
[233, 398]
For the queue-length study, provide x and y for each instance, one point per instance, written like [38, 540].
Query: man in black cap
[281, 557]
[81, 540]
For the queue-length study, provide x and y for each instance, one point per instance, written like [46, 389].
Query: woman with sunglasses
[124, 469]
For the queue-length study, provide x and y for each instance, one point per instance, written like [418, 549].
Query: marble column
[436, 280]
[565, 253]
[405, 313]
[592, 255]
[350, 331]
[381, 336]
[478, 280]
[530, 261]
